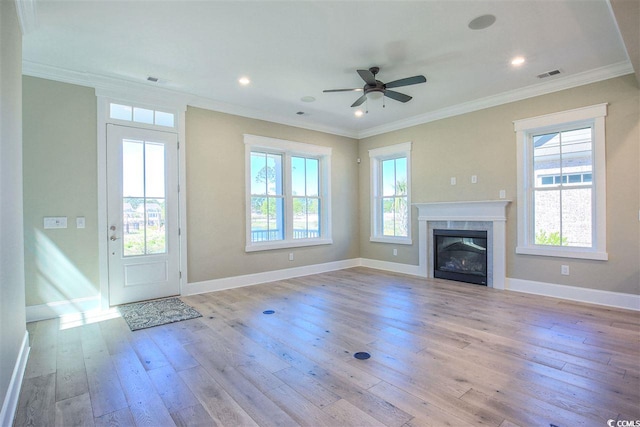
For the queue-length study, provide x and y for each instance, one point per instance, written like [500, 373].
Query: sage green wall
[483, 143]
[216, 197]
[60, 179]
[12, 304]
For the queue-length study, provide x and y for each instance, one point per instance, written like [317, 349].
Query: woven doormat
[141, 315]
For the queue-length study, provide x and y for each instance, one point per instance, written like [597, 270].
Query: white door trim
[103, 97]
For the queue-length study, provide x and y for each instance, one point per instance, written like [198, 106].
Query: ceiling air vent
[548, 74]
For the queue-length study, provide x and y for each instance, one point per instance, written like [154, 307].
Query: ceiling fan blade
[368, 77]
[397, 96]
[359, 101]
[359, 89]
[406, 81]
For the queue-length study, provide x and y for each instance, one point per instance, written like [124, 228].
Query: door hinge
[180, 274]
[178, 145]
[178, 188]
[179, 232]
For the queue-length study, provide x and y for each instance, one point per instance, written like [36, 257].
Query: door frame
[165, 102]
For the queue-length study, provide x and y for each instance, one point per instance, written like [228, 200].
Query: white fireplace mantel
[493, 211]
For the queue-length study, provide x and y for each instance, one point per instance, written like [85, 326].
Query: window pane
[258, 173]
[401, 176]
[313, 218]
[273, 174]
[400, 217]
[154, 169]
[388, 177]
[155, 229]
[267, 219]
[132, 168]
[576, 217]
[120, 112]
[133, 239]
[388, 216]
[313, 177]
[298, 176]
[300, 218]
[547, 218]
[142, 115]
[164, 119]
[546, 158]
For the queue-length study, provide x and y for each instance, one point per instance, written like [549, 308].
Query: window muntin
[391, 194]
[288, 191]
[561, 184]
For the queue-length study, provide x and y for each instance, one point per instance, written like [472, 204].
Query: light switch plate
[80, 222]
[55, 222]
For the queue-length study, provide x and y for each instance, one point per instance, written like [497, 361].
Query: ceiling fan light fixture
[359, 113]
[375, 94]
[244, 81]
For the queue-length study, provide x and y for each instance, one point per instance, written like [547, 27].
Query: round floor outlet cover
[268, 312]
[362, 355]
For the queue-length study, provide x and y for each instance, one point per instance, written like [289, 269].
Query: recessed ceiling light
[307, 99]
[517, 61]
[482, 22]
[244, 81]
[359, 113]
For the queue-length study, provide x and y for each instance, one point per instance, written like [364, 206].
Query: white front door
[142, 189]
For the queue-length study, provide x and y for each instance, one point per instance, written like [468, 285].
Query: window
[141, 115]
[288, 194]
[561, 184]
[391, 194]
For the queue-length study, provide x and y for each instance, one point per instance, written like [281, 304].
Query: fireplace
[460, 255]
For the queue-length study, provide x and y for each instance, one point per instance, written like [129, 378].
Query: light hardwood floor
[442, 353]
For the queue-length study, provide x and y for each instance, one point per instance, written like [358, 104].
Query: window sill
[563, 252]
[393, 240]
[267, 246]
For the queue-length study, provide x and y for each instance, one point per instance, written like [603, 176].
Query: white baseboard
[395, 267]
[13, 392]
[573, 293]
[62, 308]
[267, 276]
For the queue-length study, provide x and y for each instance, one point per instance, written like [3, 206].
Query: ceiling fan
[375, 89]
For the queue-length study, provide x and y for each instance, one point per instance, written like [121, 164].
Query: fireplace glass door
[460, 255]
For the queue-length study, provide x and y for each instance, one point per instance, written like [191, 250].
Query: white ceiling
[294, 49]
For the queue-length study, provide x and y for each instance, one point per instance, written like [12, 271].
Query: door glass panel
[143, 203]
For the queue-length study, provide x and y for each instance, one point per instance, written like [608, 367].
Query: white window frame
[593, 116]
[290, 149]
[376, 157]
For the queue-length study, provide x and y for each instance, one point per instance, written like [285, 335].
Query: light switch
[80, 222]
[453, 180]
[55, 222]
[474, 179]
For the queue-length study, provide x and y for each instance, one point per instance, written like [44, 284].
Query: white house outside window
[391, 194]
[561, 186]
[288, 193]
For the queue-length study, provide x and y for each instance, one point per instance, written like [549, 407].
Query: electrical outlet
[564, 270]
[474, 179]
[453, 180]
[395, 252]
[290, 256]
[503, 194]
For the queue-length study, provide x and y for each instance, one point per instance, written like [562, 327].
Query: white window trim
[377, 155]
[289, 148]
[592, 116]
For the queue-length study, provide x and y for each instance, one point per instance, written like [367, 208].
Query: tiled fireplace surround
[489, 215]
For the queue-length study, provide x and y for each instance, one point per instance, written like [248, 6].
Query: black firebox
[460, 255]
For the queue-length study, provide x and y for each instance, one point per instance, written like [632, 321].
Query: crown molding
[121, 88]
[555, 85]
[27, 16]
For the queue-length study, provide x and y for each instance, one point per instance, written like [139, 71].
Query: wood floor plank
[74, 411]
[193, 416]
[120, 418]
[105, 389]
[217, 402]
[36, 406]
[173, 391]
